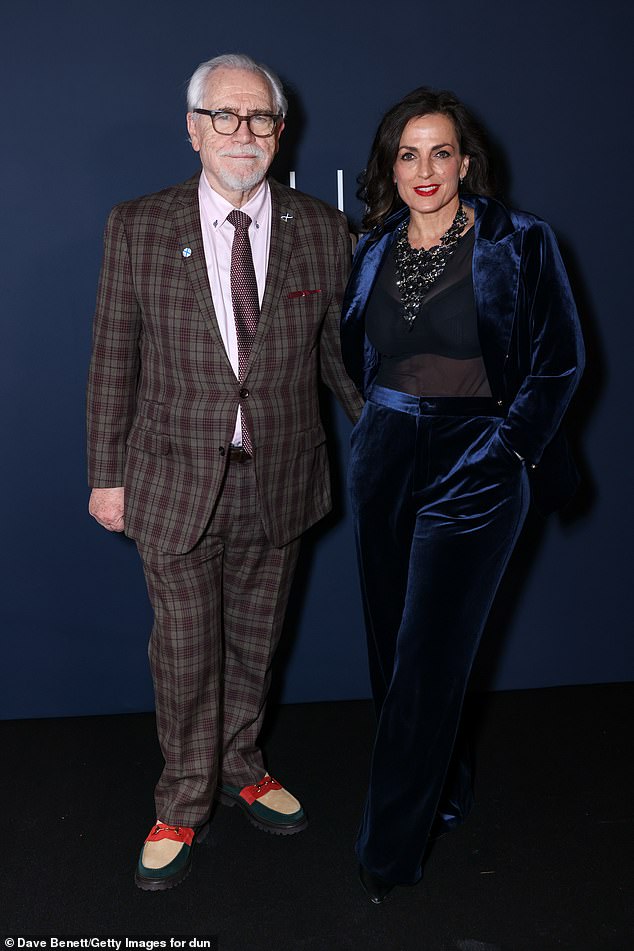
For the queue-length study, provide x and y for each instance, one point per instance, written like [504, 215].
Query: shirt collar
[217, 208]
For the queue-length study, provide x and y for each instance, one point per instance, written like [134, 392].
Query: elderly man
[217, 311]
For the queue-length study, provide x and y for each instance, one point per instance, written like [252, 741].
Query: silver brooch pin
[286, 217]
[187, 252]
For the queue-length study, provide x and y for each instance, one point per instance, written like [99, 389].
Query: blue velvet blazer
[528, 328]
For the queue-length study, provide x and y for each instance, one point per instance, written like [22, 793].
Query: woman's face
[429, 165]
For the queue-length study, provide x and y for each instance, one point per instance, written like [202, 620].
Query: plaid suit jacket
[162, 396]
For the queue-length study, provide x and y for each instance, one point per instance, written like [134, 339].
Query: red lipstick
[426, 190]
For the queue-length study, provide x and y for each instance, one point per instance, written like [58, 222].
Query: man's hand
[106, 505]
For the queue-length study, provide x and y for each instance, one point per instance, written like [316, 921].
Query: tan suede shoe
[166, 856]
[267, 804]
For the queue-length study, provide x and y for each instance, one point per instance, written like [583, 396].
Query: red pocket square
[304, 293]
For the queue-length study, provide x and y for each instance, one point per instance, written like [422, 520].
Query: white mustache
[241, 151]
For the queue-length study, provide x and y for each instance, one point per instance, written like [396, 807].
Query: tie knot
[239, 220]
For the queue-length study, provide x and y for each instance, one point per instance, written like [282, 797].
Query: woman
[460, 329]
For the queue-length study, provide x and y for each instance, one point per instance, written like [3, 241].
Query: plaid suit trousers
[218, 616]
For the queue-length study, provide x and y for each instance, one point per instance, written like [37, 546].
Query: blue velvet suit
[439, 498]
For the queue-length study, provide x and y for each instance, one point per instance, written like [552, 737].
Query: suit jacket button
[244, 393]
[221, 450]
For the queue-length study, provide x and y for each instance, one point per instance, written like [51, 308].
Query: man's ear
[192, 128]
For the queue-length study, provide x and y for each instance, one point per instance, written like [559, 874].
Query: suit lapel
[284, 222]
[190, 237]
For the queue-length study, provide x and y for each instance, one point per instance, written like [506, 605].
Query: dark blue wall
[93, 113]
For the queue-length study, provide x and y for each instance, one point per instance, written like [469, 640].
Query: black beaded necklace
[418, 268]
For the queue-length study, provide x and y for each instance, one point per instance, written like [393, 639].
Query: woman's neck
[426, 229]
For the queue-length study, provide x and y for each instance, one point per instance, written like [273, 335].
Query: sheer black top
[440, 355]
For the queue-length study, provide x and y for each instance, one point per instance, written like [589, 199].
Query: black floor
[545, 862]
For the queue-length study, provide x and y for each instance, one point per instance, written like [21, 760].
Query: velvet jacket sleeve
[546, 358]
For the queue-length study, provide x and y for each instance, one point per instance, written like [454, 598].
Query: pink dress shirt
[217, 240]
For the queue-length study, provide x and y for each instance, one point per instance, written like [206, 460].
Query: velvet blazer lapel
[359, 356]
[496, 275]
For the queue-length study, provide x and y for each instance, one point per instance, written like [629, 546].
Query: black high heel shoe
[377, 889]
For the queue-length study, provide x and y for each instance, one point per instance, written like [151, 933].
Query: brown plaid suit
[218, 541]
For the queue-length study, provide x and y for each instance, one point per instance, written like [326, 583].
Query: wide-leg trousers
[438, 502]
[218, 615]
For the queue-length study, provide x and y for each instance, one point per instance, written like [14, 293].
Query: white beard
[241, 183]
[244, 181]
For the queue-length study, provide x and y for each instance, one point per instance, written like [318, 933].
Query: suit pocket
[310, 438]
[158, 444]
[501, 447]
[152, 410]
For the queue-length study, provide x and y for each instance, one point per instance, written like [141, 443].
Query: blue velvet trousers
[438, 503]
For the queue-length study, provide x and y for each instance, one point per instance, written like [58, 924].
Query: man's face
[236, 164]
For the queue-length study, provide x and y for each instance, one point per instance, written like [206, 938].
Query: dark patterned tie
[244, 297]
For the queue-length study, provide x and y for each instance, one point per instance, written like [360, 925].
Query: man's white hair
[198, 83]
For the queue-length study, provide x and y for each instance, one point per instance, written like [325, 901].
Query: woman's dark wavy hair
[377, 189]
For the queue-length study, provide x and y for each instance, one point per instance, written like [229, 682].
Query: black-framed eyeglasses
[261, 124]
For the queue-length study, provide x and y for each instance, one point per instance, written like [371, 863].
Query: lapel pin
[187, 252]
[286, 217]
